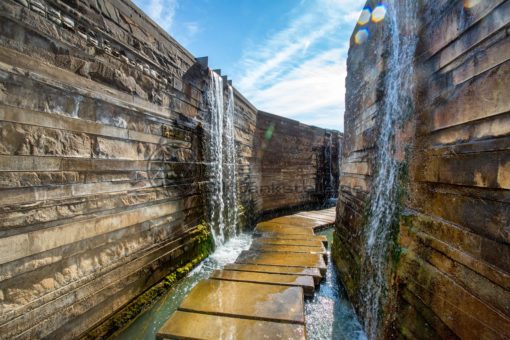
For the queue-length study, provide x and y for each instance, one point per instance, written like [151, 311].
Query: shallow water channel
[329, 315]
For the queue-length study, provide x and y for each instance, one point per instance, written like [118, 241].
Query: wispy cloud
[299, 72]
[162, 11]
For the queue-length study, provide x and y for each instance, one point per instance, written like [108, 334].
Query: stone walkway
[261, 295]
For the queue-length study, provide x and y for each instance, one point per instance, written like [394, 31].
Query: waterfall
[230, 171]
[397, 102]
[222, 199]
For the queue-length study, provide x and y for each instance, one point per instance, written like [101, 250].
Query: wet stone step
[246, 300]
[280, 236]
[290, 249]
[305, 282]
[276, 241]
[284, 270]
[279, 229]
[283, 259]
[184, 325]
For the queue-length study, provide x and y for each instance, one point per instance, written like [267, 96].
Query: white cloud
[299, 72]
[162, 12]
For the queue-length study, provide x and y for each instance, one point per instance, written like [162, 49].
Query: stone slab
[294, 237]
[284, 270]
[305, 282]
[184, 325]
[283, 259]
[277, 241]
[290, 249]
[246, 300]
[267, 227]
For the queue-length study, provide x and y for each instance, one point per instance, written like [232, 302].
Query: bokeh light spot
[365, 16]
[269, 132]
[379, 13]
[361, 36]
[471, 3]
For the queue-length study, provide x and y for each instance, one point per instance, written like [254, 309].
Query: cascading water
[230, 171]
[216, 203]
[398, 93]
[223, 209]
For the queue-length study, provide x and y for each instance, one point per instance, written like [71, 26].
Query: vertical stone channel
[222, 158]
[383, 199]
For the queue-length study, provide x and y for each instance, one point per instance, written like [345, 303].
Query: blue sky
[286, 56]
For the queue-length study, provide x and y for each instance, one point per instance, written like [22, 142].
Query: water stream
[221, 150]
[229, 168]
[401, 16]
[330, 315]
[146, 326]
[215, 154]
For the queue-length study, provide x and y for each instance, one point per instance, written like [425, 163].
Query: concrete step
[290, 249]
[268, 227]
[313, 272]
[185, 325]
[277, 241]
[246, 300]
[294, 237]
[283, 259]
[305, 282]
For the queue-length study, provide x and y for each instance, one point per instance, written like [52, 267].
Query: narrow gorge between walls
[143, 195]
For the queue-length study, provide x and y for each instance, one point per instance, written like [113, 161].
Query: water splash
[223, 210]
[401, 23]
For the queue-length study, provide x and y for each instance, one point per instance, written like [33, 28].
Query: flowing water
[146, 326]
[229, 168]
[401, 23]
[330, 315]
[221, 150]
[215, 154]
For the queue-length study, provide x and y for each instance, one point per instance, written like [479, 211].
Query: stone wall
[102, 172]
[293, 163]
[450, 274]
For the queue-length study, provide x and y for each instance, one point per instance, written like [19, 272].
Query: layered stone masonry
[102, 122]
[450, 272]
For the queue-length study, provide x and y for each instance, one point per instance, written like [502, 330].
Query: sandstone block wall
[102, 173]
[452, 278]
[297, 164]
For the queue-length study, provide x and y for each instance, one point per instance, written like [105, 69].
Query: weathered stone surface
[101, 163]
[313, 272]
[268, 227]
[305, 282]
[449, 276]
[282, 259]
[248, 300]
[204, 326]
[278, 241]
[292, 159]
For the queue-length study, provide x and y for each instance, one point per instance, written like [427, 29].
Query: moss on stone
[202, 245]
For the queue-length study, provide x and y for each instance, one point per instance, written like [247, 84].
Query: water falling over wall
[382, 208]
[229, 167]
[222, 200]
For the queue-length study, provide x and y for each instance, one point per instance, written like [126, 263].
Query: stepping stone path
[261, 295]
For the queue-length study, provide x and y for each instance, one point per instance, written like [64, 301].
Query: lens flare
[364, 18]
[471, 3]
[361, 36]
[379, 13]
